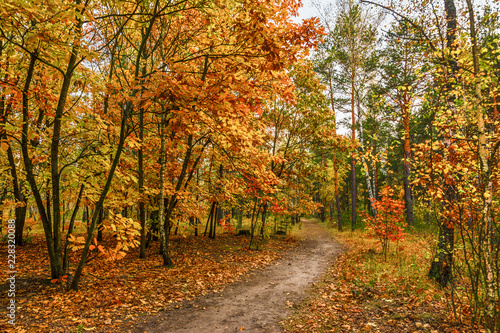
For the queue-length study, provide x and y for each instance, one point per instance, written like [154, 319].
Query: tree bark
[21, 202]
[167, 261]
[70, 230]
[371, 195]
[55, 265]
[264, 216]
[140, 157]
[487, 181]
[441, 267]
[54, 160]
[407, 157]
[2, 198]
[335, 161]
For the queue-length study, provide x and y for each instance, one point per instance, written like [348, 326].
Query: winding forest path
[261, 299]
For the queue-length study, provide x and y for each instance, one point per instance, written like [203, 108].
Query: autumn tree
[402, 84]
[443, 56]
[354, 37]
[466, 165]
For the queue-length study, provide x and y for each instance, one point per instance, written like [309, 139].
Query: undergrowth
[362, 291]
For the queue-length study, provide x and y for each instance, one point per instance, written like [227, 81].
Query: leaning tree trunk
[371, 195]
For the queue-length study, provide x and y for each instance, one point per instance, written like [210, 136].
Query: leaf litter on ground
[113, 293]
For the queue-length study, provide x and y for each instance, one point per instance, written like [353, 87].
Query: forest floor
[261, 299]
[292, 284]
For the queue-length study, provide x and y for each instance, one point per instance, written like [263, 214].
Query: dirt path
[259, 301]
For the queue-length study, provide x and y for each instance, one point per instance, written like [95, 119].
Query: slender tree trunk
[407, 157]
[240, 215]
[219, 215]
[213, 222]
[20, 219]
[492, 320]
[70, 230]
[55, 173]
[208, 226]
[264, 215]
[102, 197]
[100, 225]
[353, 161]
[21, 202]
[56, 269]
[335, 160]
[142, 208]
[2, 198]
[441, 267]
[371, 195]
[337, 199]
[253, 223]
[123, 134]
[167, 261]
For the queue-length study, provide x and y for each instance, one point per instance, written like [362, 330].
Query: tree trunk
[167, 261]
[219, 215]
[213, 221]
[2, 198]
[486, 179]
[253, 224]
[335, 161]
[21, 202]
[140, 157]
[240, 215]
[407, 157]
[264, 215]
[55, 172]
[441, 267]
[208, 226]
[70, 230]
[55, 263]
[100, 225]
[353, 161]
[371, 194]
[337, 199]
[330, 210]
[20, 220]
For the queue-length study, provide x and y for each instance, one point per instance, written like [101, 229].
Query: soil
[260, 300]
